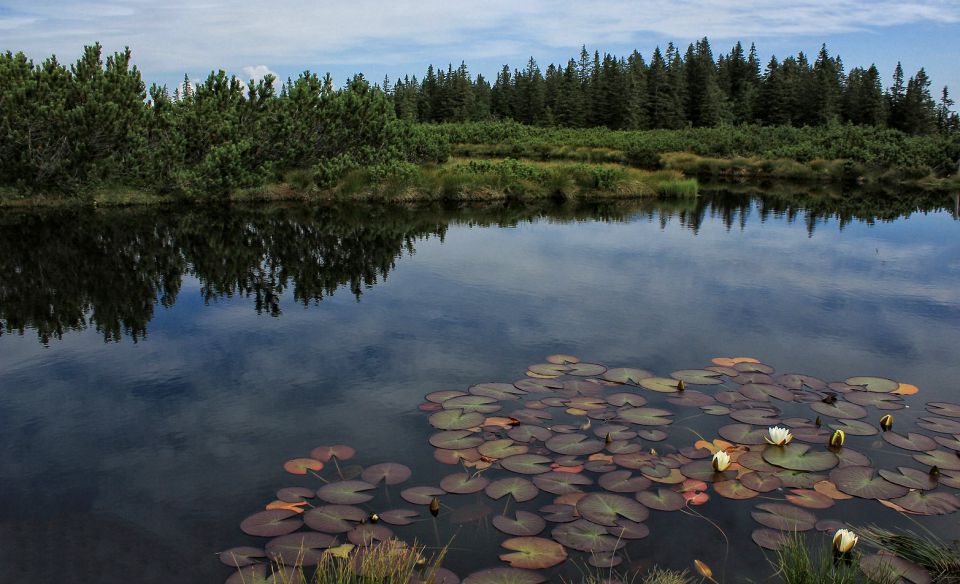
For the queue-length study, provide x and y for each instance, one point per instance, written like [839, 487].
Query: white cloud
[256, 72]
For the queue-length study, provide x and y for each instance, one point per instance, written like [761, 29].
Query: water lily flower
[778, 436]
[836, 440]
[435, 507]
[721, 461]
[844, 540]
[886, 422]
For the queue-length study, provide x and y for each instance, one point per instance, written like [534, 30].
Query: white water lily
[844, 540]
[778, 436]
[721, 461]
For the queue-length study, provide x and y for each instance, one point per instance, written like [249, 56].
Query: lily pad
[559, 513]
[754, 461]
[784, 517]
[861, 481]
[561, 359]
[732, 489]
[456, 440]
[928, 503]
[623, 481]
[519, 488]
[497, 391]
[854, 427]
[660, 384]
[561, 483]
[346, 492]
[940, 425]
[525, 524]
[939, 458]
[800, 457]
[839, 409]
[299, 549]
[295, 494]
[605, 560]
[764, 391]
[529, 464]
[527, 433]
[606, 508]
[547, 369]
[497, 449]
[702, 470]
[334, 518]
[884, 566]
[798, 381]
[881, 401]
[338, 451]
[239, 557]
[421, 495]
[456, 420]
[438, 397]
[769, 538]
[952, 443]
[757, 417]
[586, 369]
[697, 376]
[652, 435]
[875, 384]
[761, 482]
[799, 479]
[472, 403]
[944, 409]
[645, 416]
[368, 534]
[809, 499]
[504, 576]
[910, 478]
[300, 466]
[574, 444]
[585, 536]
[626, 399]
[391, 473]
[534, 553]
[626, 375]
[743, 434]
[462, 483]
[662, 500]
[912, 441]
[271, 523]
[398, 516]
[626, 529]
[692, 399]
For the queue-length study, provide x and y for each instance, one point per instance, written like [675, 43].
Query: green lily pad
[528, 432]
[392, 473]
[346, 492]
[660, 384]
[299, 549]
[839, 409]
[525, 524]
[504, 576]
[743, 434]
[634, 460]
[519, 488]
[764, 391]
[606, 508]
[754, 461]
[850, 457]
[952, 443]
[503, 448]
[497, 391]
[753, 377]
[645, 416]
[456, 440]
[652, 435]
[561, 483]
[334, 518]
[910, 478]
[456, 420]
[691, 399]
[462, 483]
[854, 427]
[662, 500]
[586, 369]
[702, 470]
[875, 384]
[756, 416]
[271, 523]
[939, 458]
[239, 557]
[732, 489]
[538, 385]
[398, 516]
[548, 369]
[472, 403]
[799, 479]
[912, 441]
[783, 517]
[623, 481]
[626, 375]
[528, 464]
[615, 432]
[534, 553]
[929, 503]
[421, 495]
[585, 536]
[800, 457]
[438, 397]
[574, 444]
[626, 399]
[861, 481]
[697, 376]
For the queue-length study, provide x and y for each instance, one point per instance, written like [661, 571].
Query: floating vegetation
[580, 455]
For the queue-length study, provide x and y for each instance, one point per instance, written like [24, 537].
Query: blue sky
[250, 37]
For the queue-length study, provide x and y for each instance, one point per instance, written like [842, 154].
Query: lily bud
[935, 471]
[435, 507]
[374, 518]
[608, 440]
[681, 385]
[844, 540]
[818, 422]
[778, 436]
[886, 422]
[721, 461]
[836, 440]
[703, 569]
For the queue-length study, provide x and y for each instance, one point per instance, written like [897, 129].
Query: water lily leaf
[561, 359]
[757, 417]
[950, 479]
[939, 458]
[732, 489]
[691, 399]
[560, 513]
[421, 495]
[462, 483]
[574, 444]
[797, 381]
[944, 409]
[850, 457]
[527, 464]
[626, 375]
[743, 434]
[626, 399]
[697, 376]
[783, 517]
[626, 529]
[906, 389]
[439, 397]
[839, 409]
[762, 482]
[952, 443]
[529, 416]
[940, 425]
[606, 508]
[538, 385]
[765, 391]
[472, 403]
[519, 488]
[585, 369]
[534, 553]
[925, 503]
[368, 534]
[830, 490]
[503, 448]
[391, 473]
[561, 483]
[497, 391]
[910, 478]
[525, 524]
[662, 500]
[733, 361]
[753, 367]
[504, 576]
[398, 516]
[456, 440]
[799, 479]
[586, 536]
[295, 494]
[456, 456]
[673, 476]
[300, 466]
[885, 567]
[239, 557]
[271, 523]
[334, 518]
[456, 420]
[346, 492]
[528, 432]
[854, 427]
[299, 549]
[338, 451]
[809, 499]
[652, 435]
[875, 384]
[660, 384]
[604, 560]
[800, 457]
[754, 461]
[912, 441]
[645, 416]
[256, 574]
[861, 481]
[623, 481]
[881, 401]
[702, 470]
[753, 377]
[769, 539]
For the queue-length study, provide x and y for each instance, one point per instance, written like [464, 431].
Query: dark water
[157, 366]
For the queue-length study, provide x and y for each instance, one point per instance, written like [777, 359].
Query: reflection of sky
[179, 436]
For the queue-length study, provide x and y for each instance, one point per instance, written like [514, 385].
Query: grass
[940, 559]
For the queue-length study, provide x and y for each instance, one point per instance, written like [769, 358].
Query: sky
[249, 38]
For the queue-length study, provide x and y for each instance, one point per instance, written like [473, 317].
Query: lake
[158, 366]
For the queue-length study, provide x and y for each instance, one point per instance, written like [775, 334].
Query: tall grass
[940, 559]
[796, 564]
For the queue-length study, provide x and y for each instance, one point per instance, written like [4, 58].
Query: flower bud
[836, 440]
[844, 540]
[886, 422]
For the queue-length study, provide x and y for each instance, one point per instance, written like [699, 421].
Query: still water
[158, 366]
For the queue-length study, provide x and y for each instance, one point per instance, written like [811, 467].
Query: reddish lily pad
[623, 481]
[391, 473]
[561, 359]
[585, 536]
[398, 516]
[912, 441]
[586, 369]
[662, 500]
[299, 549]
[944, 409]
[798, 479]
[561, 483]
[645, 416]
[769, 538]
[421, 495]
[626, 399]
[732, 489]
[783, 517]
[271, 523]
[940, 458]
[797, 381]
[338, 451]
[692, 399]
[533, 553]
[334, 518]
[754, 461]
[346, 492]
[910, 478]
[606, 508]
[928, 503]
[295, 494]
[504, 576]
[761, 482]
[883, 567]
[528, 464]
[462, 483]
[940, 425]
[697, 376]
[519, 488]
[862, 481]
[626, 529]
[809, 499]
[300, 466]
[800, 457]
[652, 435]
[559, 513]
[525, 524]
[456, 440]
[952, 443]
[605, 560]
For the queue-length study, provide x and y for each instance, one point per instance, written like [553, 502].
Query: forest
[69, 130]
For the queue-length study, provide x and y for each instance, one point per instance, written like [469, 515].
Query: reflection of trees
[62, 271]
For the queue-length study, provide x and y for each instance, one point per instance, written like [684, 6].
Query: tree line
[678, 89]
